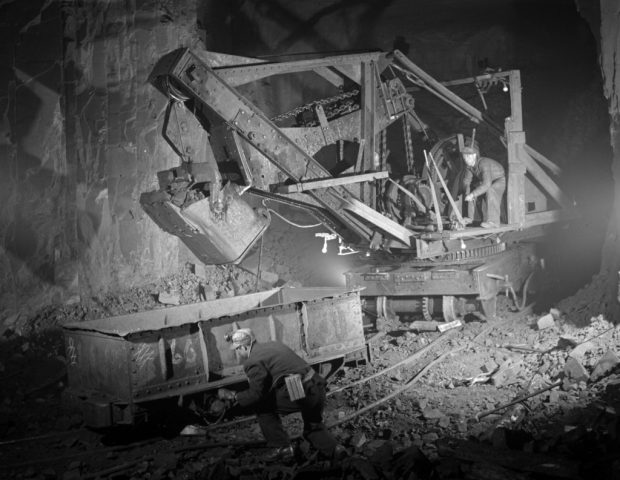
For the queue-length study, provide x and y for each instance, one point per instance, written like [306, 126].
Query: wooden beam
[545, 181]
[550, 216]
[330, 76]
[239, 75]
[380, 221]
[540, 158]
[354, 72]
[455, 208]
[434, 194]
[436, 87]
[515, 191]
[331, 182]
[516, 110]
[415, 199]
[367, 127]
[325, 128]
[479, 78]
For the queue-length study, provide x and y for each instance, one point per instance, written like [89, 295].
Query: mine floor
[432, 416]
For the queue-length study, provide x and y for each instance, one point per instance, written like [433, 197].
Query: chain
[408, 145]
[331, 112]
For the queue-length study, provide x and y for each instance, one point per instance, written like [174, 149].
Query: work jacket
[266, 367]
[485, 171]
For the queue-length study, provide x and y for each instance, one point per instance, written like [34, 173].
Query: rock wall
[603, 293]
[610, 62]
[79, 141]
[33, 167]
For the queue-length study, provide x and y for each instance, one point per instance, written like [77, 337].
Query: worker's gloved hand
[469, 197]
[225, 394]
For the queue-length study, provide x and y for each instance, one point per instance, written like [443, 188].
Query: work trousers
[278, 402]
[493, 201]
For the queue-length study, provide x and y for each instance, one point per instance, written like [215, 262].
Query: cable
[289, 221]
[398, 391]
[524, 299]
[260, 259]
[396, 365]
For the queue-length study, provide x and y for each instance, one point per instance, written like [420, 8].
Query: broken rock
[575, 371]
[358, 440]
[431, 413]
[546, 321]
[430, 437]
[565, 342]
[168, 298]
[605, 365]
[580, 350]
[508, 373]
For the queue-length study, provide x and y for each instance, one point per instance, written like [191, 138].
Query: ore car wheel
[427, 308]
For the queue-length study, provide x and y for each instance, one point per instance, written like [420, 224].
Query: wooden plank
[544, 180]
[374, 217]
[540, 158]
[354, 72]
[330, 76]
[434, 194]
[479, 78]
[457, 212]
[325, 128]
[515, 191]
[367, 191]
[331, 182]
[515, 139]
[550, 216]
[410, 195]
[442, 91]
[516, 110]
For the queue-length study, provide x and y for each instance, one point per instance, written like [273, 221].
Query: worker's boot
[284, 455]
[340, 453]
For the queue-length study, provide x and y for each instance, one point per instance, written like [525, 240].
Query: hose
[289, 221]
[524, 299]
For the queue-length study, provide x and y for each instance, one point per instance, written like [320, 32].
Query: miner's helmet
[243, 337]
[469, 151]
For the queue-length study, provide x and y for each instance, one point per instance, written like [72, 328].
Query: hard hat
[469, 150]
[243, 337]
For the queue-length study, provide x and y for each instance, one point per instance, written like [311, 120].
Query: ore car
[120, 367]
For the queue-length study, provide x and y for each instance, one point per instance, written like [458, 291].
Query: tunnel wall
[610, 63]
[79, 141]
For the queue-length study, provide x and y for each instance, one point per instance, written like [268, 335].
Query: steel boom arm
[200, 81]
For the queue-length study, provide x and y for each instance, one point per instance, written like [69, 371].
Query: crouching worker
[267, 366]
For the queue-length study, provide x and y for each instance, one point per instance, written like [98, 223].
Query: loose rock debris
[550, 399]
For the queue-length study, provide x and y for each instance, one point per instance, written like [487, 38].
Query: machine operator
[490, 180]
